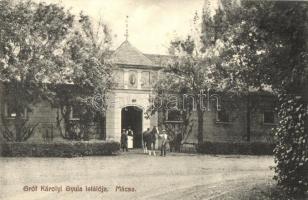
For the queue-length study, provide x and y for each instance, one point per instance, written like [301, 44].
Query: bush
[68, 149]
[253, 148]
[291, 152]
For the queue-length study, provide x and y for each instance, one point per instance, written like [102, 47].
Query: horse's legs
[154, 149]
[145, 149]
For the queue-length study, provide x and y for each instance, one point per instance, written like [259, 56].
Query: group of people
[149, 140]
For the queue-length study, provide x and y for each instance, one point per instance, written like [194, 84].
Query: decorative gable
[126, 54]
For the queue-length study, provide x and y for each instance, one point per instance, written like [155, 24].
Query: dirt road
[130, 176]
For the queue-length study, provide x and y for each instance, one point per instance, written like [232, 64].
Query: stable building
[135, 74]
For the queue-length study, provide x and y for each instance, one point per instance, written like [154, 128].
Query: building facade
[135, 74]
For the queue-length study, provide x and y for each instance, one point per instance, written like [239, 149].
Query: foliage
[43, 47]
[291, 151]
[251, 148]
[85, 51]
[71, 149]
[192, 71]
[31, 34]
[27, 130]
[163, 103]
[265, 48]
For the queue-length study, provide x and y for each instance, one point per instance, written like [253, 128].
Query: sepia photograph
[153, 100]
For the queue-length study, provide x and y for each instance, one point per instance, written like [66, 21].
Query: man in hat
[124, 140]
[164, 140]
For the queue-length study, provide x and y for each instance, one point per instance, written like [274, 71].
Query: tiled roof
[126, 54]
[160, 60]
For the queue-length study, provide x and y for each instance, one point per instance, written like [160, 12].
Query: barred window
[222, 116]
[10, 111]
[174, 116]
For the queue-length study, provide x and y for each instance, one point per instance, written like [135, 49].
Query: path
[177, 176]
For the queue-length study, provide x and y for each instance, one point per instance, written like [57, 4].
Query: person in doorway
[124, 140]
[164, 140]
[130, 136]
[130, 132]
[145, 136]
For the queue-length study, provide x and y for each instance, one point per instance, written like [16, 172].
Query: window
[145, 79]
[75, 113]
[119, 78]
[11, 111]
[174, 116]
[222, 116]
[269, 117]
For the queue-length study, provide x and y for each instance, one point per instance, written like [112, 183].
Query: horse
[149, 140]
[146, 135]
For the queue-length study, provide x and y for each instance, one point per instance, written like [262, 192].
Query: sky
[152, 24]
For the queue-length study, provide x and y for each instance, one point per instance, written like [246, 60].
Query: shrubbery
[68, 149]
[253, 148]
[291, 151]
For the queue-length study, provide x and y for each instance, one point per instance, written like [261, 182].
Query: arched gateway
[135, 76]
[131, 117]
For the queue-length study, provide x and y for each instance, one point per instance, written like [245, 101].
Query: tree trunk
[18, 126]
[200, 126]
[248, 119]
[103, 128]
[17, 88]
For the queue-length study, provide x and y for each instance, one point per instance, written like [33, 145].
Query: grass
[268, 191]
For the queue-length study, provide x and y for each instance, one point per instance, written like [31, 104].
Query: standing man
[164, 140]
[124, 140]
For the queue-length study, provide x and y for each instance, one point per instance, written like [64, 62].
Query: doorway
[132, 118]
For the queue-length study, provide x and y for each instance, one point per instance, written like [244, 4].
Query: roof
[159, 59]
[127, 54]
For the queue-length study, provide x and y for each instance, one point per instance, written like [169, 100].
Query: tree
[168, 97]
[265, 46]
[31, 34]
[42, 47]
[262, 48]
[85, 55]
[192, 72]
[240, 70]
